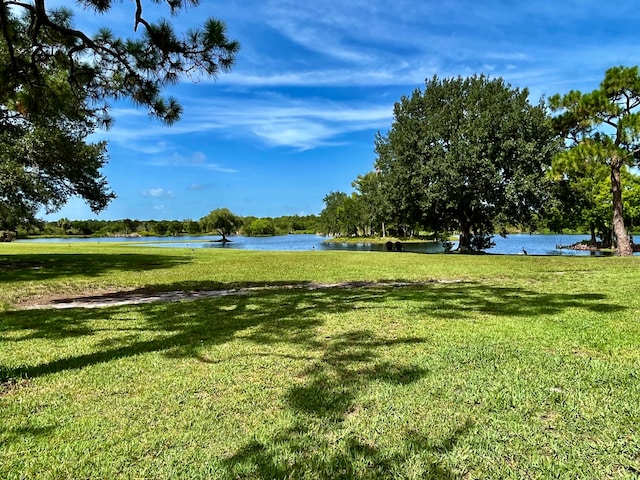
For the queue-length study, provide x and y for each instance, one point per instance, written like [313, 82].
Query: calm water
[513, 244]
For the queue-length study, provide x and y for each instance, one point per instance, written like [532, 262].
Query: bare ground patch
[133, 297]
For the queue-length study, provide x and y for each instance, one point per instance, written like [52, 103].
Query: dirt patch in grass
[109, 298]
[49, 300]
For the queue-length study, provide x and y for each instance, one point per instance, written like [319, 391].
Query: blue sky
[313, 83]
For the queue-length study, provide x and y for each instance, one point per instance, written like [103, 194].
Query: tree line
[473, 156]
[214, 222]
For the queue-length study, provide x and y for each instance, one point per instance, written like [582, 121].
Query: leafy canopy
[103, 66]
[223, 221]
[467, 154]
[55, 84]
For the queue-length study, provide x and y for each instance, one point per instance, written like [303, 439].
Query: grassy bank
[502, 367]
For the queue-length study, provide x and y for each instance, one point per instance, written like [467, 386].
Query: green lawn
[499, 367]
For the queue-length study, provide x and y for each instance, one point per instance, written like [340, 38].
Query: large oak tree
[467, 154]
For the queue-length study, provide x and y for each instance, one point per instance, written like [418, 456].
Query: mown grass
[525, 367]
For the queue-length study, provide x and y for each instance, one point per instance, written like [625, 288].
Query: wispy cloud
[270, 119]
[157, 193]
[387, 44]
[402, 74]
[195, 160]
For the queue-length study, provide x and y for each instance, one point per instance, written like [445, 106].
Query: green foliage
[296, 224]
[102, 66]
[466, 154]
[603, 127]
[191, 227]
[222, 221]
[631, 197]
[281, 226]
[55, 82]
[348, 215]
[582, 196]
[259, 227]
[329, 217]
[374, 204]
[161, 227]
[44, 156]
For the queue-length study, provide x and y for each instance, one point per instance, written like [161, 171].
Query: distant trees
[296, 224]
[222, 221]
[631, 197]
[254, 226]
[191, 227]
[581, 199]
[376, 211]
[467, 154]
[603, 127]
[64, 224]
[332, 216]
[257, 227]
[250, 226]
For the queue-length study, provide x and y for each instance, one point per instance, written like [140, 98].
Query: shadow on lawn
[33, 267]
[320, 444]
[339, 366]
[312, 456]
[272, 316]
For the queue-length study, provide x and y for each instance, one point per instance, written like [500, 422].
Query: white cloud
[300, 134]
[157, 193]
[150, 148]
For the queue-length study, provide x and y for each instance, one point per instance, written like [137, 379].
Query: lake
[511, 245]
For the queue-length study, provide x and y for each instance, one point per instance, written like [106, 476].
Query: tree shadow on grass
[34, 267]
[284, 315]
[340, 366]
[300, 452]
[319, 444]
[348, 363]
[13, 434]
[462, 300]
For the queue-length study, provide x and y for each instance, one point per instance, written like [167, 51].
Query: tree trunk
[592, 229]
[464, 243]
[623, 246]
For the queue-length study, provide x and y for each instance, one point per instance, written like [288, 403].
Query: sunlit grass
[524, 367]
[40, 269]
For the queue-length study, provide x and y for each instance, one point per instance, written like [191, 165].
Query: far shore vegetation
[249, 226]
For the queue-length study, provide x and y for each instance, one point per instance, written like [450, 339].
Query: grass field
[496, 367]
